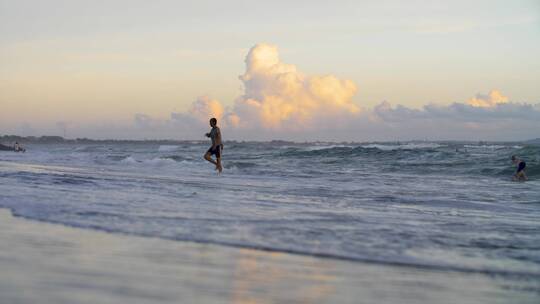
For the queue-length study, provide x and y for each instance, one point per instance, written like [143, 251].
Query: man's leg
[218, 164]
[208, 157]
[218, 159]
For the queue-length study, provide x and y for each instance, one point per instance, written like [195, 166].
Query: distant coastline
[45, 139]
[10, 139]
[535, 141]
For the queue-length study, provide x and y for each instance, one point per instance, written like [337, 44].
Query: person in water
[18, 148]
[520, 172]
[217, 145]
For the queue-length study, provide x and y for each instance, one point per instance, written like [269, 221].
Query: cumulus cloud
[459, 112]
[279, 97]
[499, 120]
[205, 108]
[280, 102]
[490, 100]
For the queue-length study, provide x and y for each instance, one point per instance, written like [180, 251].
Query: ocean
[437, 205]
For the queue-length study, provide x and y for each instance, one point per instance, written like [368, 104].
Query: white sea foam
[129, 160]
[157, 161]
[408, 146]
[486, 147]
[168, 148]
[321, 147]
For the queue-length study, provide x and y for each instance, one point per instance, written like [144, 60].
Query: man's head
[515, 159]
[213, 122]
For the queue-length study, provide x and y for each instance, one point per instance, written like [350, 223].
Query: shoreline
[330, 257]
[51, 263]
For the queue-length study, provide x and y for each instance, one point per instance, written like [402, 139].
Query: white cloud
[501, 120]
[205, 108]
[280, 102]
[490, 100]
[279, 97]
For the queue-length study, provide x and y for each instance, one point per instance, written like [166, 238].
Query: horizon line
[56, 138]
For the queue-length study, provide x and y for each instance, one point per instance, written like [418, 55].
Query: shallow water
[48, 263]
[445, 206]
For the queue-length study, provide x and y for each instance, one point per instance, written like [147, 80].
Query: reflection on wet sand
[261, 277]
[47, 263]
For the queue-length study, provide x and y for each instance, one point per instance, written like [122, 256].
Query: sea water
[444, 205]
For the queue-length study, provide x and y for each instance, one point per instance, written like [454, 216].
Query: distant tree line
[11, 139]
[30, 139]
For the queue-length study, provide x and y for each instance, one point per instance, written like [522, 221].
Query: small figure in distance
[520, 172]
[217, 145]
[18, 148]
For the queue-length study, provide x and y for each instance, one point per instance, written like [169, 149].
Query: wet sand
[48, 263]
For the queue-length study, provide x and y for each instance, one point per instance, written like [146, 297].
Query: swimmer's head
[213, 122]
[514, 158]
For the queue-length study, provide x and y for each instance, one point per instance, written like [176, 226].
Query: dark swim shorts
[521, 166]
[216, 151]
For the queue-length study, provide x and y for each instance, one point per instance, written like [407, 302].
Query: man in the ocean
[217, 145]
[520, 172]
[18, 148]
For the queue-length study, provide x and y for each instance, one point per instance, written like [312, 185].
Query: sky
[294, 70]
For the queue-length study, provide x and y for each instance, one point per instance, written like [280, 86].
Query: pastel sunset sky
[297, 70]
